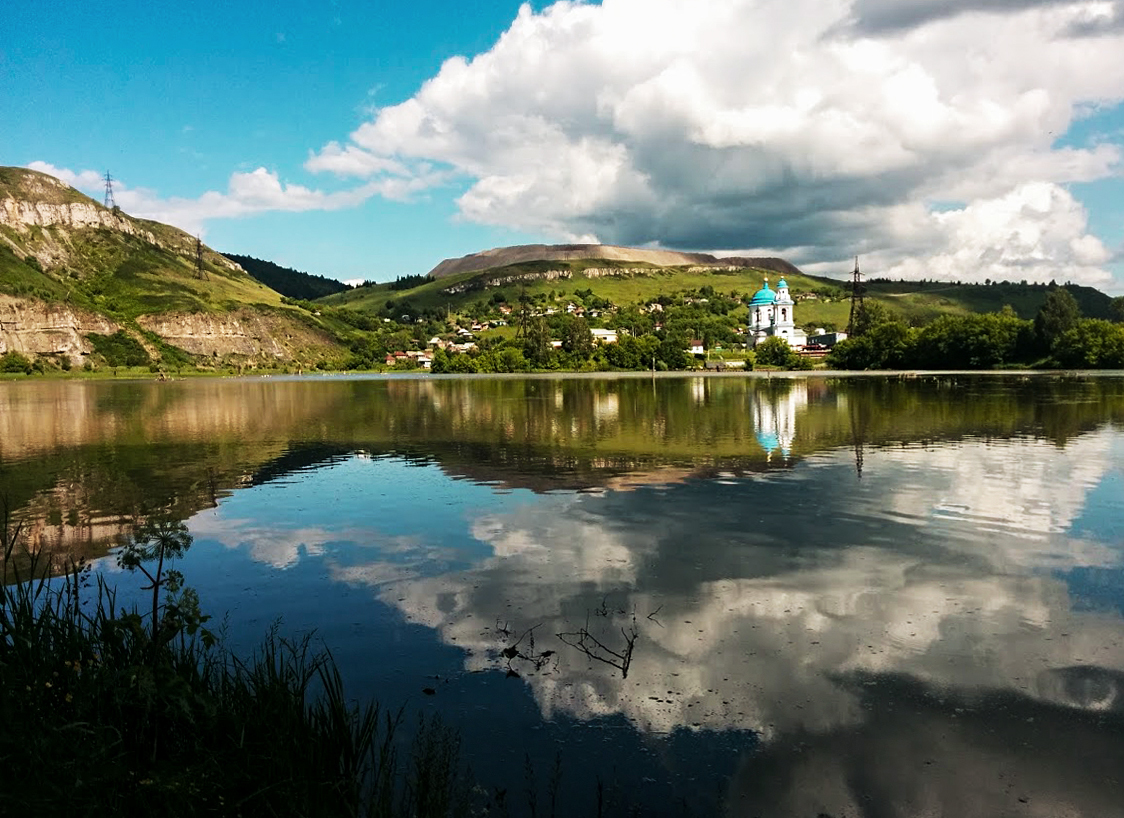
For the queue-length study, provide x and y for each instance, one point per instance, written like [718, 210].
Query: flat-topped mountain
[505, 256]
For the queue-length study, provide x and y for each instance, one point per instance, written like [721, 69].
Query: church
[772, 313]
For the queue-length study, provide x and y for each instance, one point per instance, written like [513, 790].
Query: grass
[111, 271]
[116, 712]
[915, 302]
[21, 278]
[21, 183]
[639, 282]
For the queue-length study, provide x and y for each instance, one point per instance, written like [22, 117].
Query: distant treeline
[409, 282]
[1059, 336]
[987, 296]
[286, 281]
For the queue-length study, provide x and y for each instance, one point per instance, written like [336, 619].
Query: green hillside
[927, 300]
[821, 301]
[632, 283]
[59, 247]
[119, 265]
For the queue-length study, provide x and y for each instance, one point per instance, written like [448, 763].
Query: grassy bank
[127, 712]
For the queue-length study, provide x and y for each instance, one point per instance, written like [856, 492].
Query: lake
[750, 596]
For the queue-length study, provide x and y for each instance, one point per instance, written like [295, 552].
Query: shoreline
[758, 374]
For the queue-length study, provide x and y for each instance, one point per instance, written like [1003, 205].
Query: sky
[941, 139]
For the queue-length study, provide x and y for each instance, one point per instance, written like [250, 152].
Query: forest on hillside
[288, 281]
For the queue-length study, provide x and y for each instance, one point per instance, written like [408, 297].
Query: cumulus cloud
[893, 15]
[754, 625]
[812, 129]
[247, 194]
[1035, 232]
[1098, 19]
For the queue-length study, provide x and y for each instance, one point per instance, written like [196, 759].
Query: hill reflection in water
[849, 596]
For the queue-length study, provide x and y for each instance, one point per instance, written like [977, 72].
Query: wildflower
[48, 684]
[69, 697]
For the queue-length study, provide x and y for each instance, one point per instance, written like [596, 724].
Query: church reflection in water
[774, 417]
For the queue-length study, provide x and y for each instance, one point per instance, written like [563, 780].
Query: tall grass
[106, 711]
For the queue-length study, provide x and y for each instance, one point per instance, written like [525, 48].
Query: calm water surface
[860, 597]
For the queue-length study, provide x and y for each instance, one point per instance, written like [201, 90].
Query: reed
[111, 711]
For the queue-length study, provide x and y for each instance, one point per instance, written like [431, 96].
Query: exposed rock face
[488, 282]
[40, 328]
[78, 243]
[33, 327]
[21, 215]
[32, 200]
[243, 333]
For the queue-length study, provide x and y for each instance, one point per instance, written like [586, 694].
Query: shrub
[773, 351]
[14, 362]
[119, 349]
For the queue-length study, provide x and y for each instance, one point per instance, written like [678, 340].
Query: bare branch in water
[594, 648]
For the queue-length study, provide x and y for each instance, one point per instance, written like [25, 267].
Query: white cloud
[1036, 232]
[257, 191]
[813, 129]
[982, 611]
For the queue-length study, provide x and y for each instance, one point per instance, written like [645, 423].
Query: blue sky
[364, 140]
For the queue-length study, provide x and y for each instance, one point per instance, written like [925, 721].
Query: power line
[857, 291]
[108, 201]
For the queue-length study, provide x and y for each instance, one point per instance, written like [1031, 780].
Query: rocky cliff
[33, 328]
[70, 267]
[256, 336]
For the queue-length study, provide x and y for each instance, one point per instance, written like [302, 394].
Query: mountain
[73, 271]
[625, 276]
[507, 256]
[286, 280]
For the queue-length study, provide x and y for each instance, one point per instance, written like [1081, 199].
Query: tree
[855, 353]
[870, 315]
[627, 353]
[1117, 308]
[440, 362]
[773, 351]
[1058, 314]
[510, 359]
[971, 341]
[672, 354]
[576, 337]
[1091, 344]
[462, 364]
[536, 342]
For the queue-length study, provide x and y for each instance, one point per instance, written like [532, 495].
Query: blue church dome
[763, 297]
[782, 283]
